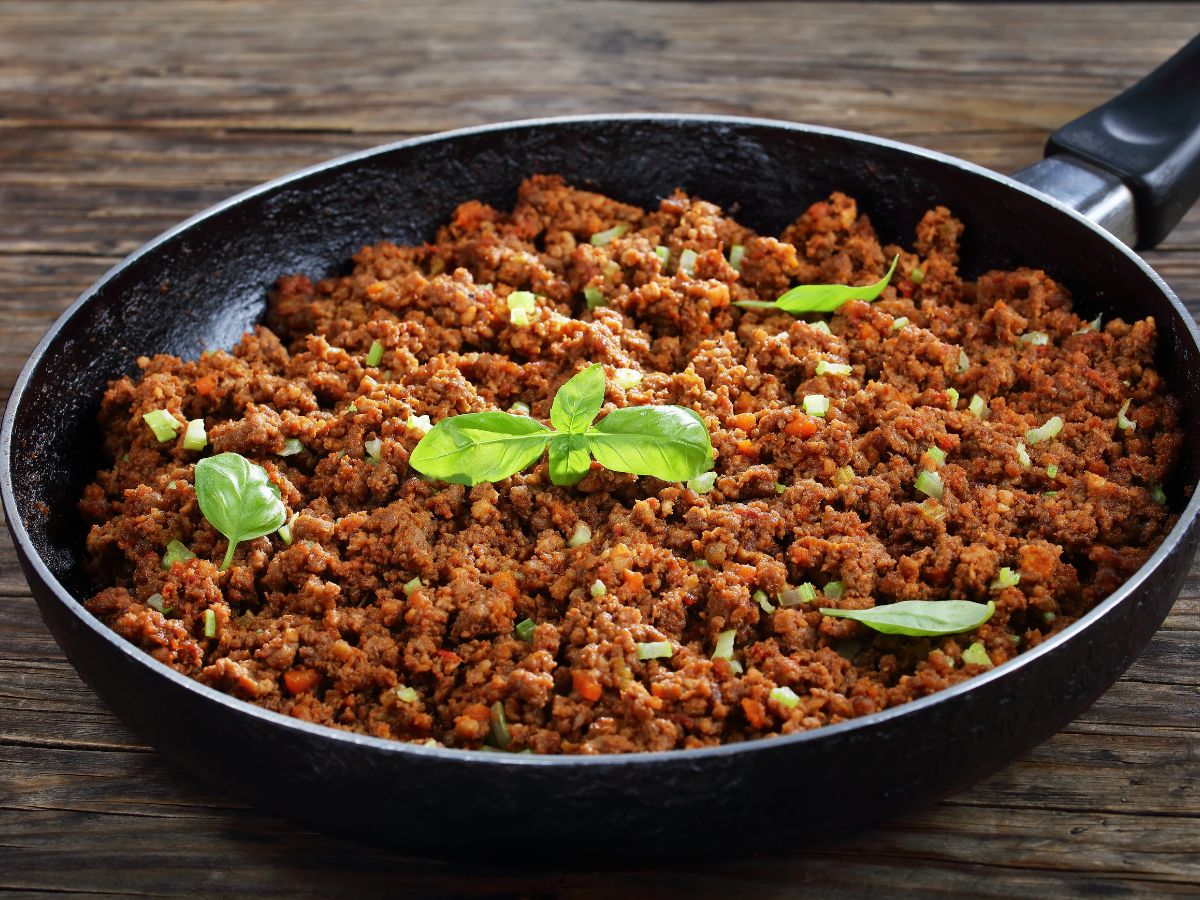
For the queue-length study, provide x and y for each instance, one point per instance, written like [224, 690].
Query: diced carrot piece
[744, 421]
[205, 385]
[746, 447]
[505, 583]
[755, 713]
[801, 426]
[586, 685]
[297, 681]
[633, 580]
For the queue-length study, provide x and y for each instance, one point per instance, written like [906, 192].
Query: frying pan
[1134, 165]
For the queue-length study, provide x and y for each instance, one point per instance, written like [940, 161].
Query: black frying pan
[204, 283]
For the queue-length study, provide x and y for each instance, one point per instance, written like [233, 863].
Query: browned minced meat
[324, 630]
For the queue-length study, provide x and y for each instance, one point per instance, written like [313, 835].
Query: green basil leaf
[577, 402]
[921, 618]
[569, 459]
[238, 499]
[478, 447]
[668, 442]
[823, 298]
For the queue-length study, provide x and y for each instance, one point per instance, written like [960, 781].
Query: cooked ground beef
[324, 630]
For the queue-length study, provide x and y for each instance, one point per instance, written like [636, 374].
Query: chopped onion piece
[805, 593]
[1093, 325]
[834, 589]
[413, 586]
[155, 601]
[663, 254]
[932, 510]
[929, 483]
[291, 447]
[593, 296]
[627, 378]
[520, 303]
[899, 323]
[1045, 432]
[1125, 424]
[917, 275]
[1035, 339]
[163, 424]
[816, 405]
[210, 624]
[374, 448]
[419, 423]
[687, 262]
[1006, 579]
[598, 589]
[975, 655]
[828, 368]
[964, 362]
[760, 597]
[375, 354]
[701, 564]
[407, 695]
[654, 650]
[1052, 471]
[785, 697]
[1023, 455]
[780, 487]
[703, 483]
[936, 455]
[735, 667]
[519, 409]
[843, 476]
[736, 252]
[603, 238]
[821, 325]
[176, 552]
[525, 629]
[978, 407]
[1158, 495]
[952, 398]
[195, 438]
[285, 530]
[581, 535]
[724, 648]
[498, 731]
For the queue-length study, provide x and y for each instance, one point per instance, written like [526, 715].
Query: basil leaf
[478, 447]
[668, 442]
[822, 298]
[238, 499]
[569, 459]
[578, 401]
[921, 618]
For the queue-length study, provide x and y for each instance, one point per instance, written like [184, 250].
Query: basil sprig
[238, 499]
[822, 298]
[667, 442]
[921, 618]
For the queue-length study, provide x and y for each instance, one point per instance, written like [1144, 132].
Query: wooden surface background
[118, 119]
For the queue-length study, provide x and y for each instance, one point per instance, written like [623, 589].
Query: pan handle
[1132, 164]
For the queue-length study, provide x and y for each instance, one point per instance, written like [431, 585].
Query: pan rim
[400, 749]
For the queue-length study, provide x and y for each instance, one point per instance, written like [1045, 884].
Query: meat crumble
[393, 609]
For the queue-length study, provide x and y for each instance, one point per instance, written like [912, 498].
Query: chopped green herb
[900, 323]
[1023, 455]
[1045, 432]
[978, 407]
[1124, 423]
[687, 262]
[828, 368]
[917, 275]
[195, 437]
[930, 484]
[352, 408]
[809, 298]
[238, 499]
[724, 648]
[163, 424]
[176, 552]
[702, 483]
[920, 618]
[291, 447]
[1006, 579]
[654, 650]
[976, 655]
[375, 354]
[525, 629]
[816, 405]
[1048, 616]
[598, 589]
[784, 696]
[1052, 471]
[935, 455]
[1158, 495]
[701, 564]
[760, 597]
[804, 593]
[603, 238]
[780, 487]
[1050, 493]
[736, 252]
[834, 589]
[498, 735]
[594, 297]
[412, 586]
[210, 624]
[626, 379]
[520, 304]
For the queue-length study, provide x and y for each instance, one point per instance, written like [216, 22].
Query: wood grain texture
[118, 119]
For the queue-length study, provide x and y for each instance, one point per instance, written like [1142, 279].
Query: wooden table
[119, 119]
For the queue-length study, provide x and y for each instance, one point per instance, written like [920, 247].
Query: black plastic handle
[1149, 136]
